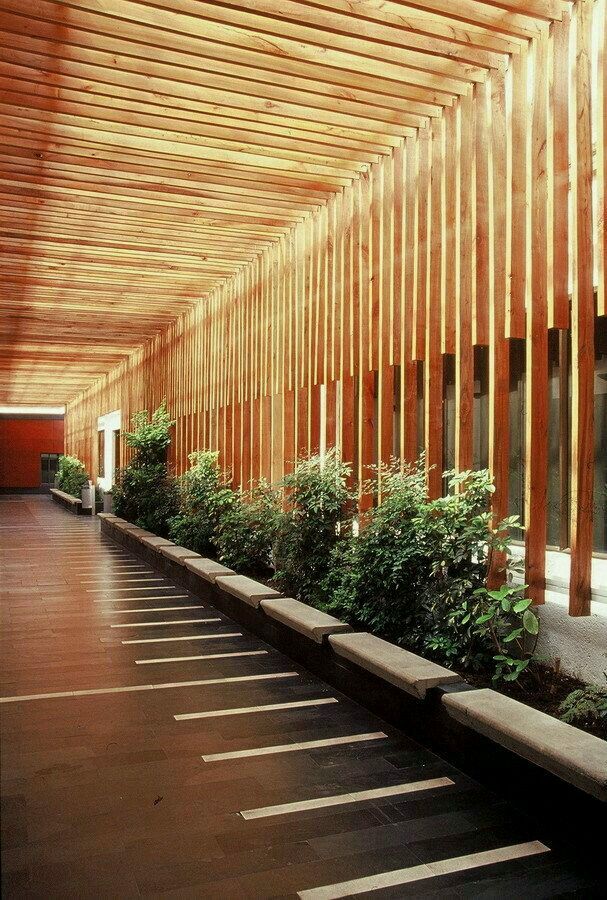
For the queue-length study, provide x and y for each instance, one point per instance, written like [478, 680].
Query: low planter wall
[74, 504]
[504, 749]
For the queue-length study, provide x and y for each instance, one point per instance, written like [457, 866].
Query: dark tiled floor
[106, 795]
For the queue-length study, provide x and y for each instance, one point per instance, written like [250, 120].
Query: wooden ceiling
[149, 150]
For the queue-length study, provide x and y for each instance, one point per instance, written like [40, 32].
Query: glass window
[559, 472]
[516, 486]
[101, 453]
[600, 436]
[421, 421]
[481, 408]
[448, 412]
[117, 459]
[396, 421]
[49, 465]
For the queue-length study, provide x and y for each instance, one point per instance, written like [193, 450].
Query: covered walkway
[152, 747]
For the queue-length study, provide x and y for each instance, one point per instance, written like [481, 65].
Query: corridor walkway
[151, 747]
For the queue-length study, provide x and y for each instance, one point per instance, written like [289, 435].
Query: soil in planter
[547, 694]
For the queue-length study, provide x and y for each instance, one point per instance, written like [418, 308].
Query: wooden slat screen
[461, 237]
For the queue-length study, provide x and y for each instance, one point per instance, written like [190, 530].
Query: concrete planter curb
[405, 670]
[305, 619]
[481, 730]
[73, 504]
[568, 752]
[178, 554]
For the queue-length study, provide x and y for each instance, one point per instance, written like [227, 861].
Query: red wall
[21, 443]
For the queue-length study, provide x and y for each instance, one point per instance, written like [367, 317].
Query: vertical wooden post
[582, 331]
[536, 443]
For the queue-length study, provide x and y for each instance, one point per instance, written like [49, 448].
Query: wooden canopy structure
[151, 150]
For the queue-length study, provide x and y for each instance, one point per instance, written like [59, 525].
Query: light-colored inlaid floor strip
[290, 748]
[149, 687]
[397, 877]
[244, 710]
[122, 579]
[80, 548]
[176, 659]
[140, 599]
[158, 587]
[191, 637]
[393, 790]
[162, 622]
[93, 554]
[127, 568]
[122, 612]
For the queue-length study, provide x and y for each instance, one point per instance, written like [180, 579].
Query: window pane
[101, 453]
[516, 485]
[481, 408]
[600, 435]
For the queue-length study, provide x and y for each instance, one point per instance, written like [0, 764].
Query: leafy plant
[375, 579]
[72, 475]
[512, 628]
[151, 436]
[418, 569]
[145, 491]
[247, 529]
[317, 518]
[204, 496]
[585, 705]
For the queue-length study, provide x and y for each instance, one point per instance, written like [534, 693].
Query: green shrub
[317, 519]
[417, 573]
[204, 496]
[150, 437]
[585, 706]
[145, 491]
[72, 475]
[375, 579]
[505, 622]
[247, 529]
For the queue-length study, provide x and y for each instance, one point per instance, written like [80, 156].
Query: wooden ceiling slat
[274, 146]
[183, 63]
[25, 93]
[89, 176]
[208, 23]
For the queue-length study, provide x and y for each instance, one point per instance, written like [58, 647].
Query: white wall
[108, 423]
[580, 643]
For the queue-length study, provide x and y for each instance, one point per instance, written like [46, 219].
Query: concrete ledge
[207, 568]
[178, 554]
[404, 670]
[308, 621]
[66, 499]
[572, 754]
[246, 589]
[155, 542]
[109, 517]
[123, 525]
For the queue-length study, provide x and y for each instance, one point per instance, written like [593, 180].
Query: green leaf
[513, 635]
[506, 605]
[522, 605]
[531, 622]
[511, 676]
[484, 618]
